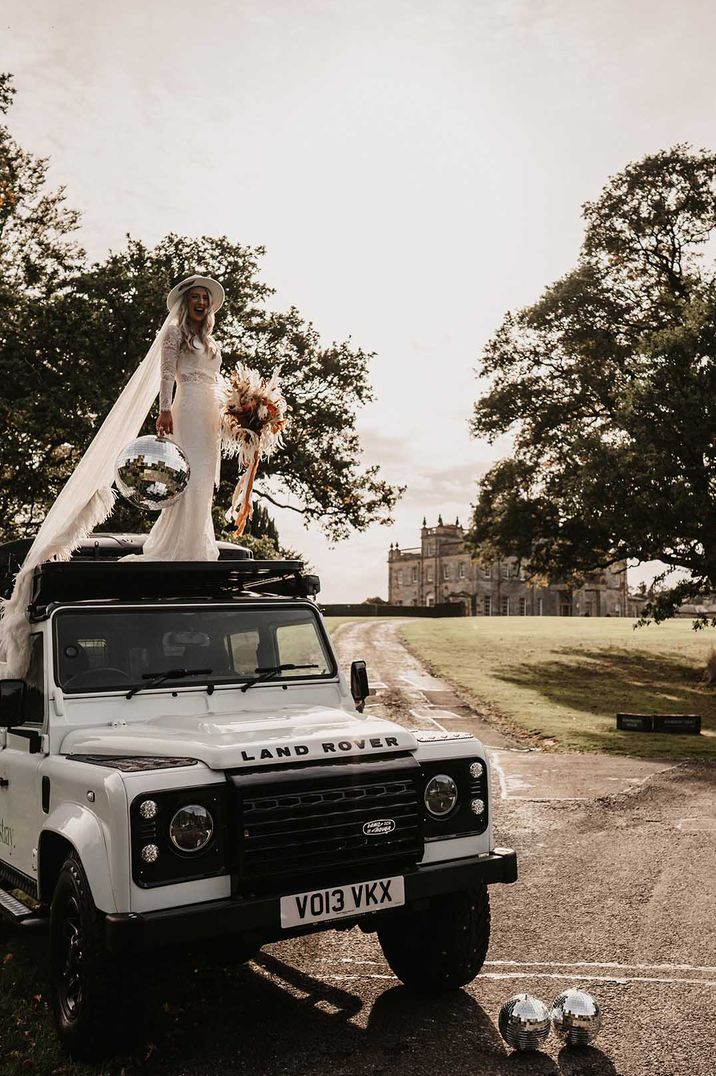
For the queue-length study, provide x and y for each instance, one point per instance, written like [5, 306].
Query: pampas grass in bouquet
[253, 416]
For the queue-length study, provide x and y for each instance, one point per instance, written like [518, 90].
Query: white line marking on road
[597, 978]
[708, 968]
[426, 717]
[430, 712]
[621, 980]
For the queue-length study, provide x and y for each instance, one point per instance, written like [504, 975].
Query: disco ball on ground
[524, 1022]
[576, 1017]
[151, 473]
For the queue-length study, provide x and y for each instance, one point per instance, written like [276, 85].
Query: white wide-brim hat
[212, 286]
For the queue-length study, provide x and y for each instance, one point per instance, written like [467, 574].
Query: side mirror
[13, 694]
[359, 684]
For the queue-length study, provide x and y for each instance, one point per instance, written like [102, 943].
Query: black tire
[441, 947]
[89, 988]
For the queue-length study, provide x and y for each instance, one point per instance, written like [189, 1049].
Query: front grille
[314, 823]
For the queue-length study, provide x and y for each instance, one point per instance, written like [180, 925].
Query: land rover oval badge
[379, 827]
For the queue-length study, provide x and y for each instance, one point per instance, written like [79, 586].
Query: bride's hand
[165, 424]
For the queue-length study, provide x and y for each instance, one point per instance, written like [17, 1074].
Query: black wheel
[88, 986]
[441, 947]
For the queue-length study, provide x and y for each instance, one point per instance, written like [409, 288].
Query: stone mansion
[440, 570]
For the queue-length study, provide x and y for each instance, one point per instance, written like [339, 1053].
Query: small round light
[150, 853]
[440, 795]
[191, 828]
[477, 806]
[148, 809]
[476, 769]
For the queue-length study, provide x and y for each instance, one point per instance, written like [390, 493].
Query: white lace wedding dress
[185, 530]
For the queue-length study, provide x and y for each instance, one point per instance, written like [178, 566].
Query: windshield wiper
[273, 670]
[155, 678]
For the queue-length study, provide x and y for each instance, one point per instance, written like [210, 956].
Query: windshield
[117, 648]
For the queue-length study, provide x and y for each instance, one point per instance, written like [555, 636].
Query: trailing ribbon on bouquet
[253, 415]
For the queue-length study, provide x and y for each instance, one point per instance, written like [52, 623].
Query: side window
[36, 680]
[244, 647]
[298, 644]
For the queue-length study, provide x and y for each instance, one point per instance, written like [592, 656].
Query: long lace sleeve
[168, 366]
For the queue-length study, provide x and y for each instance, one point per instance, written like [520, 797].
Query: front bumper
[260, 917]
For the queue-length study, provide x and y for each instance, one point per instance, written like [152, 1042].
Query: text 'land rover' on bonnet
[185, 763]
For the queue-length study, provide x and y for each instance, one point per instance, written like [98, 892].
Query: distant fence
[367, 609]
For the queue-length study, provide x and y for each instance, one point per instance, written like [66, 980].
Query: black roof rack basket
[96, 580]
[97, 572]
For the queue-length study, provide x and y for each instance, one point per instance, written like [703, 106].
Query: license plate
[337, 902]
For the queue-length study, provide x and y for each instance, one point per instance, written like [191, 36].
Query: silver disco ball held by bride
[151, 473]
[524, 1022]
[576, 1017]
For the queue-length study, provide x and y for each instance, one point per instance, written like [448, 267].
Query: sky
[415, 169]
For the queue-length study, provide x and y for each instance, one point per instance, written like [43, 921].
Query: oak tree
[607, 385]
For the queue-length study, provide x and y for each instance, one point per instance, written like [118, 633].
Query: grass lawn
[334, 622]
[564, 679]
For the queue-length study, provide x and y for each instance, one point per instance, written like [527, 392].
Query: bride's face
[197, 302]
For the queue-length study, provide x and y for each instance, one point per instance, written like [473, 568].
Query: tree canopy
[71, 334]
[608, 386]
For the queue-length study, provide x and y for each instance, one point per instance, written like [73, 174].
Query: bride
[190, 359]
[183, 352]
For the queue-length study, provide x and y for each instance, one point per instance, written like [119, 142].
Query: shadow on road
[272, 1017]
[585, 1061]
[600, 682]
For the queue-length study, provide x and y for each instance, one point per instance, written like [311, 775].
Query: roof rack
[96, 572]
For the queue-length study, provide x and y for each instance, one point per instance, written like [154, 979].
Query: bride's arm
[170, 354]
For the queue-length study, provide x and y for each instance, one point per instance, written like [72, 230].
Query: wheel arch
[72, 828]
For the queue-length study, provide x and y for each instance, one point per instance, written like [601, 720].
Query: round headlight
[476, 769]
[191, 828]
[148, 809]
[150, 853]
[440, 795]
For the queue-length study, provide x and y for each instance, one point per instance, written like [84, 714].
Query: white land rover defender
[185, 763]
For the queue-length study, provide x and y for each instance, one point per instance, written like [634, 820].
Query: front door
[21, 811]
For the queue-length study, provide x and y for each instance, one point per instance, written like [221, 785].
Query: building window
[487, 605]
[487, 572]
[430, 574]
[400, 578]
[523, 607]
[505, 607]
[414, 575]
[505, 570]
[540, 607]
[461, 570]
[446, 571]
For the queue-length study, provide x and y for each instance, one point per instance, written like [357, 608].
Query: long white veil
[84, 501]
